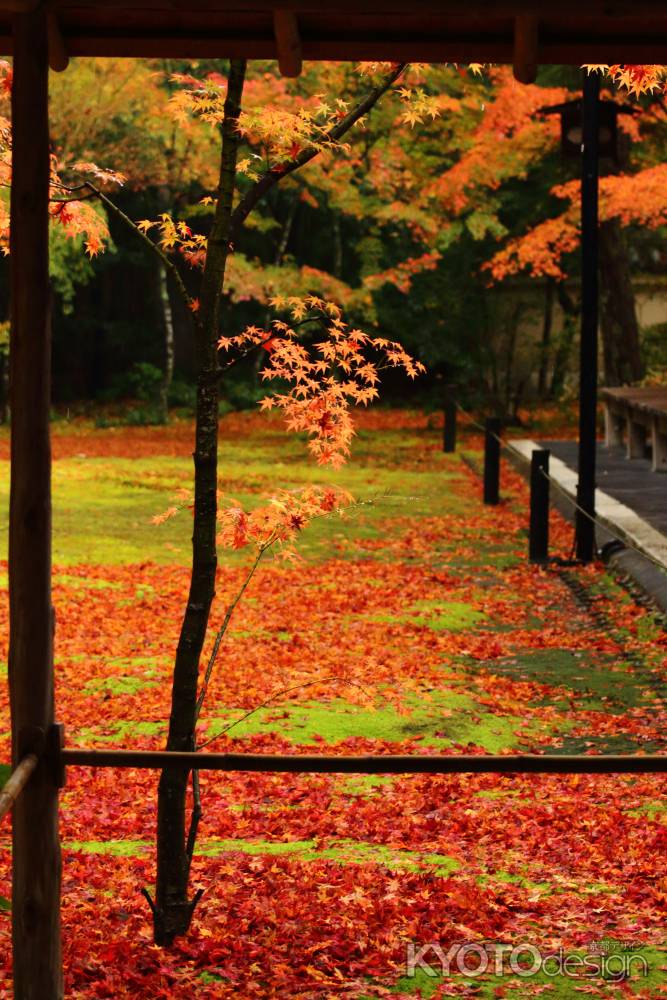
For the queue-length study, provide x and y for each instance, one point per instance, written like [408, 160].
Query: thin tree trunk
[510, 356]
[173, 909]
[36, 849]
[281, 249]
[517, 397]
[565, 340]
[168, 326]
[4, 388]
[618, 318]
[337, 246]
[547, 325]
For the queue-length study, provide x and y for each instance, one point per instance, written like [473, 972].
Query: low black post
[492, 460]
[449, 408]
[538, 532]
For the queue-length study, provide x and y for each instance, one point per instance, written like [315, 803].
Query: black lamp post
[588, 132]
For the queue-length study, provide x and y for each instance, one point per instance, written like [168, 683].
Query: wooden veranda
[42, 34]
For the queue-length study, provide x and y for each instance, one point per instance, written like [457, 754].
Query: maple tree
[363, 197]
[492, 138]
[628, 198]
[318, 400]
[77, 217]
[126, 115]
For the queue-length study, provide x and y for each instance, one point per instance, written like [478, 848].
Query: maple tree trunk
[618, 318]
[173, 909]
[36, 861]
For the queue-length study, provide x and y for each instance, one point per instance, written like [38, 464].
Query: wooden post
[492, 461]
[36, 847]
[538, 532]
[288, 42]
[525, 48]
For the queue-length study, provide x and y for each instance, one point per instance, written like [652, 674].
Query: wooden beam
[19, 6]
[328, 38]
[521, 763]
[525, 48]
[36, 847]
[288, 42]
[590, 9]
[16, 782]
[58, 55]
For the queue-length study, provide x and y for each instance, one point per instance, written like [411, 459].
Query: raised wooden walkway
[631, 481]
[631, 499]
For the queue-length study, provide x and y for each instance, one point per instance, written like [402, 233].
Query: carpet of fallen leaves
[414, 628]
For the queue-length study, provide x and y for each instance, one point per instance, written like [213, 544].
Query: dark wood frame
[426, 30]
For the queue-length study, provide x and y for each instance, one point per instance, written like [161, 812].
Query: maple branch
[302, 686]
[239, 357]
[146, 894]
[275, 174]
[225, 624]
[69, 201]
[195, 817]
[231, 608]
[166, 261]
[256, 347]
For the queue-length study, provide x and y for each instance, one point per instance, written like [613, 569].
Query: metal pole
[588, 351]
[538, 531]
[449, 434]
[492, 461]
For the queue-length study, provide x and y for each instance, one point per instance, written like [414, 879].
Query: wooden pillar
[36, 847]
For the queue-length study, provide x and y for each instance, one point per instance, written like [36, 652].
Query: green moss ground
[443, 719]
[103, 507]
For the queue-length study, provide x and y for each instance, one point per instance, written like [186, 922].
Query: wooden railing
[372, 763]
[16, 783]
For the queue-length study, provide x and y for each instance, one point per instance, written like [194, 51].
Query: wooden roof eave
[512, 31]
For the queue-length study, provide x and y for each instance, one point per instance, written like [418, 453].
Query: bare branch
[166, 261]
[195, 817]
[302, 686]
[70, 201]
[223, 628]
